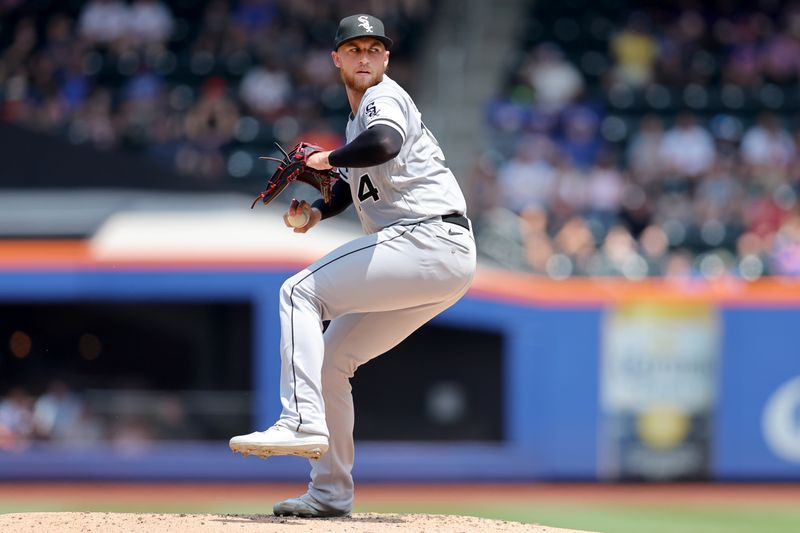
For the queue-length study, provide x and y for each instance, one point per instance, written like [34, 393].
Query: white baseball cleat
[279, 440]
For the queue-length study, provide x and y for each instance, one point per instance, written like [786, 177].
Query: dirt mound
[174, 523]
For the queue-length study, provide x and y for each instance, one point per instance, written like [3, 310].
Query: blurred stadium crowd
[644, 139]
[75, 418]
[200, 85]
[630, 138]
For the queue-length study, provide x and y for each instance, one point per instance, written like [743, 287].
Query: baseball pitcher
[416, 260]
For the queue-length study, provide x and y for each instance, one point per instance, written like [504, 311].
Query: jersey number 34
[366, 189]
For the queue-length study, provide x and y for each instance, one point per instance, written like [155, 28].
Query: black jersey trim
[388, 122]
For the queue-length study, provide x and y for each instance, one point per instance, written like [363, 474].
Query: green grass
[631, 519]
[611, 518]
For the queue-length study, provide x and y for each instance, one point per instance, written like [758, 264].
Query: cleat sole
[266, 452]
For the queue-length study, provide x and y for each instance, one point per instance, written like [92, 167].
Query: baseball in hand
[299, 219]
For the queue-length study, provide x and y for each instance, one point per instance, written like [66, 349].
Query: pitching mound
[174, 523]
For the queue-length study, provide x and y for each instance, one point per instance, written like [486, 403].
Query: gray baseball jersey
[414, 186]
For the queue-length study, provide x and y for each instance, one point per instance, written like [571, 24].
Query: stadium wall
[600, 377]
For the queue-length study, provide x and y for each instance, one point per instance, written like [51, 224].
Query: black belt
[458, 220]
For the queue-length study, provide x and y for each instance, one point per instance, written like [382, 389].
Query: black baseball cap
[356, 26]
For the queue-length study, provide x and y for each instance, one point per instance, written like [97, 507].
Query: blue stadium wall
[551, 387]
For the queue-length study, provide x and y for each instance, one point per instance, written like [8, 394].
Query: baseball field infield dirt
[180, 523]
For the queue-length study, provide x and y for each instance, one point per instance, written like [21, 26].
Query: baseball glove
[293, 167]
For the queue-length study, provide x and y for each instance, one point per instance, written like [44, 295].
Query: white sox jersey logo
[364, 23]
[371, 110]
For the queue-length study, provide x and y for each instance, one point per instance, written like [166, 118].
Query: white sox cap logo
[361, 25]
[364, 23]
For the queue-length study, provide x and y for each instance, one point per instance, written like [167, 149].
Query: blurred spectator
[744, 59]
[254, 15]
[209, 126]
[87, 429]
[571, 194]
[580, 141]
[528, 179]
[768, 149]
[22, 45]
[752, 251]
[635, 51]
[172, 420]
[75, 86]
[149, 21]
[131, 434]
[555, 81]
[56, 412]
[141, 107]
[319, 132]
[575, 241]
[785, 253]
[781, 59]
[671, 64]
[93, 121]
[654, 248]
[618, 256]
[481, 192]
[103, 21]
[687, 148]
[16, 419]
[605, 190]
[212, 35]
[643, 153]
[761, 214]
[59, 44]
[538, 252]
[719, 193]
[678, 267]
[265, 91]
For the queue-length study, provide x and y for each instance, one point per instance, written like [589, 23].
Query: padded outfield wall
[600, 379]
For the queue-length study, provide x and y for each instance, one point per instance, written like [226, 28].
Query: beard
[360, 83]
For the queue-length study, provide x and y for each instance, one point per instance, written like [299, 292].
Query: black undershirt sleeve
[341, 199]
[372, 147]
